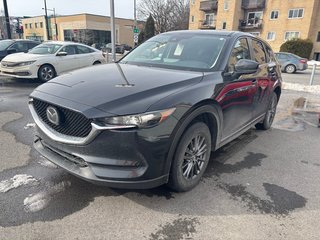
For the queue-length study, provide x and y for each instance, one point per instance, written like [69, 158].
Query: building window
[193, 2]
[192, 19]
[271, 36]
[254, 18]
[30, 25]
[226, 4]
[36, 25]
[295, 13]
[26, 26]
[41, 24]
[257, 34]
[209, 19]
[318, 37]
[291, 35]
[224, 25]
[274, 14]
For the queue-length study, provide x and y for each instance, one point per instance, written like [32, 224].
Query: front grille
[73, 123]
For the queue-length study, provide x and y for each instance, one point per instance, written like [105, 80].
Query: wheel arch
[277, 90]
[47, 64]
[207, 111]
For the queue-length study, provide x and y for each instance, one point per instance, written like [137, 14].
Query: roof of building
[78, 14]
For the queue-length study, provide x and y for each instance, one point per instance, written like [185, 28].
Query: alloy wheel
[272, 110]
[47, 73]
[194, 157]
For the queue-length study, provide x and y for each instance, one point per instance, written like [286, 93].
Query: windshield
[46, 48]
[4, 44]
[179, 51]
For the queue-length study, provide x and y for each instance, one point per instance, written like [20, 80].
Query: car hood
[23, 57]
[118, 89]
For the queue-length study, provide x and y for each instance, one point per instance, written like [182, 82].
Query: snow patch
[39, 201]
[16, 181]
[29, 125]
[301, 88]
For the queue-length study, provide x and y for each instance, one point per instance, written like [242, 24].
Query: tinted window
[270, 54]
[239, 51]
[84, 50]
[258, 52]
[70, 50]
[282, 56]
[32, 45]
[20, 46]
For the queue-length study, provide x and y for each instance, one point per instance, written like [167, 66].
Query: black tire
[290, 68]
[191, 158]
[46, 73]
[271, 112]
[96, 63]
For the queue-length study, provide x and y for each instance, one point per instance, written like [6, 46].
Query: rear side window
[84, 50]
[270, 55]
[32, 45]
[258, 51]
[282, 56]
[239, 51]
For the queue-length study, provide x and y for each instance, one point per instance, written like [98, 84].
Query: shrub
[300, 47]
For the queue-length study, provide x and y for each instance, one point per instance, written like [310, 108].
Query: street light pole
[113, 31]
[46, 18]
[135, 17]
[55, 20]
[6, 13]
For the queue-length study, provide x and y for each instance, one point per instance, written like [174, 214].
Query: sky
[123, 8]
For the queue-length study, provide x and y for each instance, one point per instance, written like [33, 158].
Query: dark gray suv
[155, 116]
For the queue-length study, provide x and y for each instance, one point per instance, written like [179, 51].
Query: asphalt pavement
[263, 185]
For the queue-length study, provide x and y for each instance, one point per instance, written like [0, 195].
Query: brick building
[273, 20]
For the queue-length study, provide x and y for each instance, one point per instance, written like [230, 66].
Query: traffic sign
[135, 38]
[136, 30]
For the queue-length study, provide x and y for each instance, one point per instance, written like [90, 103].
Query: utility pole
[113, 31]
[5, 6]
[46, 18]
[135, 17]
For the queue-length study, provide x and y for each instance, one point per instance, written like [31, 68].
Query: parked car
[10, 46]
[50, 59]
[120, 48]
[155, 116]
[290, 63]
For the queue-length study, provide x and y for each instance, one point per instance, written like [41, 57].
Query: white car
[50, 59]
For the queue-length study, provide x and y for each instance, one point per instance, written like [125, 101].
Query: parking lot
[263, 185]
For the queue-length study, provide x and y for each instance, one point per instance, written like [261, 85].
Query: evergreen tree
[149, 29]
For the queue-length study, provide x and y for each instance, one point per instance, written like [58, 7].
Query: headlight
[25, 63]
[144, 120]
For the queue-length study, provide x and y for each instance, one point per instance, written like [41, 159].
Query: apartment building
[275, 21]
[85, 28]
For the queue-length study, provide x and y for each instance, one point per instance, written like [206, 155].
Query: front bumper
[29, 71]
[128, 158]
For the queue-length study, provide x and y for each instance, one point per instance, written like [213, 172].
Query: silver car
[290, 63]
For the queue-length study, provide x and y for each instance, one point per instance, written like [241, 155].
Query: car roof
[65, 42]
[212, 32]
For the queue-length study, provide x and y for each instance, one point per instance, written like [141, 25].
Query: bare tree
[168, 15]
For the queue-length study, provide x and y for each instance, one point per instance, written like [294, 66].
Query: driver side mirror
[11, 50]
[246, 66]
[61, 54]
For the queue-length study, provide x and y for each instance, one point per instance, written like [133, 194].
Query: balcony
[250, 24]
[253, 4]
[203, 24]
[208, 6]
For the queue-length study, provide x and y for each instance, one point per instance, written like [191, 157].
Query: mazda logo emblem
[53, 115]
